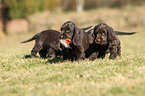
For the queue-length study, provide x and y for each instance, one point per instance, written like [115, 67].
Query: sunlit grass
[20, 76]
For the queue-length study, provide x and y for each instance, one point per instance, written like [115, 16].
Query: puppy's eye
[103, 32]
[67, 29]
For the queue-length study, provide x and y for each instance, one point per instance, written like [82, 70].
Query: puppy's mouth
[65, 42]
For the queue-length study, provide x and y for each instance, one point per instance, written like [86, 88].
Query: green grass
[20, 76]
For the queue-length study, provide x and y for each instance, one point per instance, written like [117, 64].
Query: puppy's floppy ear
[92, 38]
[110, 33]
[75, 37]
[94, 33]
[72, 26]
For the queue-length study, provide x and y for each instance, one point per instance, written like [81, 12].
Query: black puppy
[75, 40]
[46, 43]
[103, 40]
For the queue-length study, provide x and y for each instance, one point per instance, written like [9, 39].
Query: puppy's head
[100, 34]
[67, 30]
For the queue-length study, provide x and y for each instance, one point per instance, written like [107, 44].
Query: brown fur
[104, 41]
[79, 39]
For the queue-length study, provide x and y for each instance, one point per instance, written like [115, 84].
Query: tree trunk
[122, 3]
[68, 5]
[0, 3]
[1, 25]
[80, 5]
[4, 16]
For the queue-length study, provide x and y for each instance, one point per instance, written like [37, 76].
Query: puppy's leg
[51, 53]
[43, 53]
[119, 50]
[81, 54]
[64, 54]
[113, 52]
[35, 49]
[101, 55]
[93, 56]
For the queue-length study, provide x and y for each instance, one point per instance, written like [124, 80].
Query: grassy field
[22, 76]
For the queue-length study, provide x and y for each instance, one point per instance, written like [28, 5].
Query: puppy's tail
[124, 33]
[86, 28]
[31, 39]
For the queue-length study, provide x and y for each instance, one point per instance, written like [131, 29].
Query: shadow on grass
[29, 56]
[54, 60]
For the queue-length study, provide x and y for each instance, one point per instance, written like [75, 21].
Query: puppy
[75, 41]
[46, 43]
[103, 40]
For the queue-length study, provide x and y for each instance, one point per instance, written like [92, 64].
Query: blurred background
[19, 16]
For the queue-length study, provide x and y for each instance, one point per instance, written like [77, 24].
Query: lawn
[23, 76]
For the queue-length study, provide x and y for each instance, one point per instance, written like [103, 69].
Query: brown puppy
[78, 41]
[103, 40]
[46, 43]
